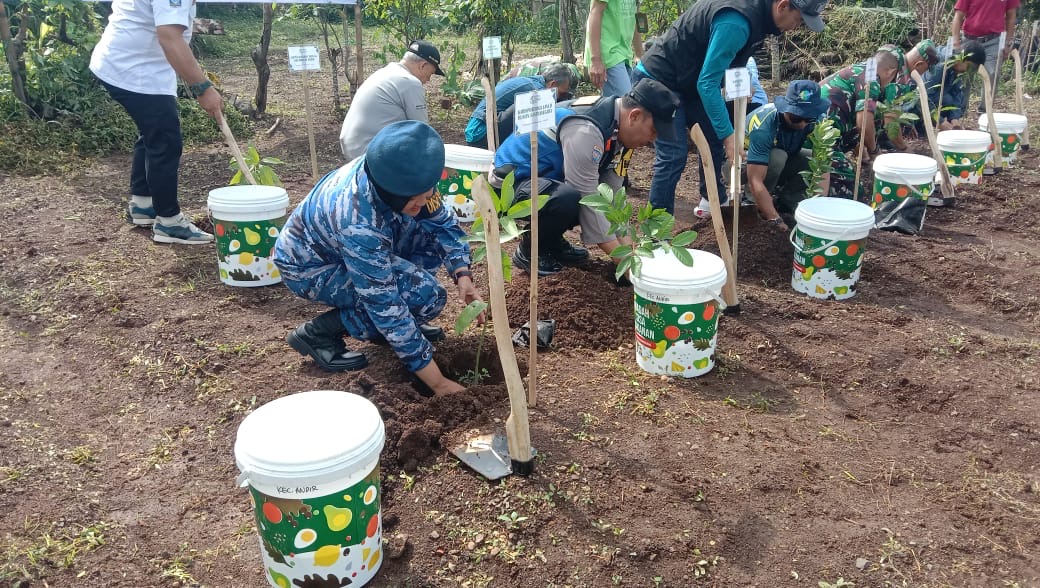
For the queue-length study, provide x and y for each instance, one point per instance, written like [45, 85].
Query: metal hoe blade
[488, 455]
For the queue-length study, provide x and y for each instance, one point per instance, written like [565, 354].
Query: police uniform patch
[597, 154]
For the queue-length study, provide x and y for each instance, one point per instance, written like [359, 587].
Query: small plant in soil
[649, 230]
[512, 519]
[259, 166]
[839, 583]
[822, 139]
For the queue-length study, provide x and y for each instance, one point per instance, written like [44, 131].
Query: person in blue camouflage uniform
[367, 241]
[954, 95]
[853, 103]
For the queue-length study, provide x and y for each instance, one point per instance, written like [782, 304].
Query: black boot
[322, 339]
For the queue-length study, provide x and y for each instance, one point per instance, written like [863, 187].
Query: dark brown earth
[888, 440]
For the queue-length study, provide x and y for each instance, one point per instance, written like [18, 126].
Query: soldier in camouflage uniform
[853, 102]
[367, 241]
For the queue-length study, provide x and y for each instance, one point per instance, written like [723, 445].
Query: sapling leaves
[468, 315]
[259, 166]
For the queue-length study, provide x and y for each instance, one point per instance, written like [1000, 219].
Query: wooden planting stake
[532, 342]
[729, 289]
[518, 430]
[310, 127]
[233, 144]
[946, 186]
[490, 113]
[869, 75]
[1019, 102]
[987, 93]
[739, 113]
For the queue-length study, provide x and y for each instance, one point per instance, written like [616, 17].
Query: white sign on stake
[492, 47]
[534, 111]
[870, 72]
[304, 58]
[738, 83]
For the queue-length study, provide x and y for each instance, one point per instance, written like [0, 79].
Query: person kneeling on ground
[776, 153]
[557, 76]
[573, 159]
[954, 96]
[367, 241]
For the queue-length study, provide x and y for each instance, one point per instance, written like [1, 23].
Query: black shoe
[547, 265]
[566, 254]
[328, 351]
[433, 334]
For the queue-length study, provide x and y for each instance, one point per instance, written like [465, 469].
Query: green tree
[407, 20]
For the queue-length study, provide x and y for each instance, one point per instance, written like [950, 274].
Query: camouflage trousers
[843, 178]
[416, 285]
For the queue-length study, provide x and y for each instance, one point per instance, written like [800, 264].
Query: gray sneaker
[181, 232]
[140, 215]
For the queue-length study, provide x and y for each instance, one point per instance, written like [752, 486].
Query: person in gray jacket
[392, 94]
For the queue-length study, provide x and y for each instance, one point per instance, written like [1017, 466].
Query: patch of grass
[82, 455]
[177, 569]
[53, 549]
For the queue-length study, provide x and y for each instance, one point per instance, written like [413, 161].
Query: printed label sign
[492, 47]
[304, 58]
[535, 111]
[738, 83]
[870, 71]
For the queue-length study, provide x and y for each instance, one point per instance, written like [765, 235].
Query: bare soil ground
[888, 440]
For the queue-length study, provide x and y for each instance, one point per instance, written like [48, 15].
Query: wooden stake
[233, 144]
[946, 185]
[532, 343]
[729, 290]
[859, 153]
[518, 432]
[1019, 102]
[987, 93]
[360, 49]
[490, 113]
[310, 127]
[739, 113]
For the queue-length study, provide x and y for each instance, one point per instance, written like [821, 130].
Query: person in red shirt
[983, 21]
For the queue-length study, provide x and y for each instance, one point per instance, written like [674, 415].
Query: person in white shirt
[392, 94]
[142, 51]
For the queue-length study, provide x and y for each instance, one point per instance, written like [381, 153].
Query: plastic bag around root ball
[904, 216]
[546, 331]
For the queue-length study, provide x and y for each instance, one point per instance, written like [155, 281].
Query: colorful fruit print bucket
[828, 238]
[311, 463]
[1010, 128]
[246, 222]
[462, 164]
[965, 153]
[677, 311]
[898, 176]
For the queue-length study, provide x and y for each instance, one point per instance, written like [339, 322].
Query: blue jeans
[619, 80]
[157, 152]
[670, 156]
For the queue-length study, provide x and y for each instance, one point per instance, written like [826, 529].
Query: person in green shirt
[612, 45]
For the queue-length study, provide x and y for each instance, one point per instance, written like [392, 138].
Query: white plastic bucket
[1010, 128]
[677, 313]
[246, 222]
[462, 164]
[902, 175]
[311, 462]
[965, 153]
[828, 238]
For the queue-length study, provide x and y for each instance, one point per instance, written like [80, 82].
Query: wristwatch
[461, 273]
[776, 222]
[200, 88]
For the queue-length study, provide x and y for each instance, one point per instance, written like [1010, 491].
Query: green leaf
[479, 254]
[644, 251]
[521, 209]
[683, 255]
[468, 315]
[621, 251]
[623, 266]
[684, 238]
[507, 267]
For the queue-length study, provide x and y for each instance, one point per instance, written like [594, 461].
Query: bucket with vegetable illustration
[1010, 128]
[677, 311]
[462, 164]
[311, 463]
[246, 222]
[965, 153]
[828, 238]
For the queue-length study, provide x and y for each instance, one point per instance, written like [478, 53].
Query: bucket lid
[248, 198]
[309, 434]
[468, 158]
[836, 215]
[1006, 122]
[905, 164]
[664, 271]
[958, 141]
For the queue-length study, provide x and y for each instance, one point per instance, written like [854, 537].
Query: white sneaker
[181, 231]
[702, 210]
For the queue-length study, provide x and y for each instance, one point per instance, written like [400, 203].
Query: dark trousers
[157, 152]
[559, 214]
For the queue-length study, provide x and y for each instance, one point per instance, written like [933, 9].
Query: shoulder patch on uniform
[597, 154]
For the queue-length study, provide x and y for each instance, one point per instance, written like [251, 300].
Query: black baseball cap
[660, 102]
[427, 51]
[811, 10]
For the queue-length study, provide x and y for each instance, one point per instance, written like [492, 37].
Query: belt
[982, 38]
